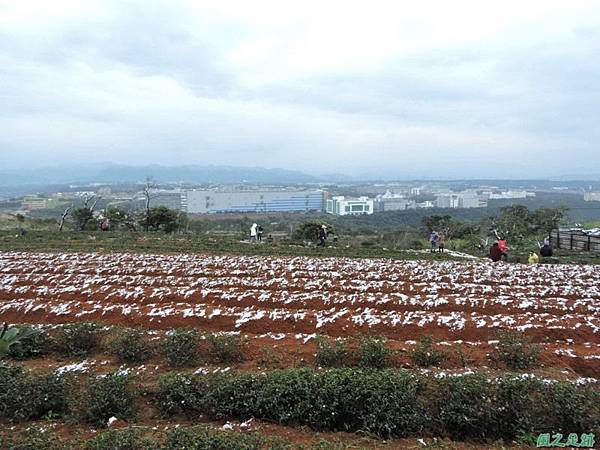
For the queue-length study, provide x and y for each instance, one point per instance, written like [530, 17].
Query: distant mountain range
[114, 173]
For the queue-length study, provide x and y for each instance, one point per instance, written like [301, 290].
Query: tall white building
[341, 206]
[591, 196]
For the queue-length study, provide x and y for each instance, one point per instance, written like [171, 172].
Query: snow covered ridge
[301, 294]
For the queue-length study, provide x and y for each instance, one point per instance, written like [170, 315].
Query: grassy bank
[73, 241]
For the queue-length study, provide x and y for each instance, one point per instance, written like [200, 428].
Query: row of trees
[159, 218]
[515, 223]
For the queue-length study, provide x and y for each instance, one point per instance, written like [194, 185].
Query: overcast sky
[398, 88]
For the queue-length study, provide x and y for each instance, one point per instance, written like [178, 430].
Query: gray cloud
[139, 83]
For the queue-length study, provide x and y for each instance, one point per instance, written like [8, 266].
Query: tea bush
[563, 407]
[31, 346]
[199, 437]
[515, 352]
[425, 354]
[225, 348]
[121, 439]
[180, 394]
[372, 352]
[105, 396]
[382, 402]
[26, 395]
[466, 406]
[331, 355]
[472, 407]
[32, 438]
[77, 339]
[130, 345]
[181, 346]
[387, 403]
[203, 437]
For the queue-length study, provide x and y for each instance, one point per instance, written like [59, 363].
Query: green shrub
[121, 439]
[372, 352]
[225, 348]
[105, 396]
[381, 402]
[32, 438]
[33, 345]
[466, 407]
[181, 346]
[515, 352]
[203, 437]
[425, 355]
[565, 408]
[130, 345]
[515, 403]
[180, 393]
[471, 407]
[463, 357]
[26, 395]
[77, 339]
[331, 355]
[309, 231]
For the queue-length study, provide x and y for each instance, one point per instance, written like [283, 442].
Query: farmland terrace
[290, 300]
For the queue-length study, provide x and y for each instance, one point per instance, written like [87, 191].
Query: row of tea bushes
[394, 403]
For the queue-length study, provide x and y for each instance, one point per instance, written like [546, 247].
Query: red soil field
[288, 300]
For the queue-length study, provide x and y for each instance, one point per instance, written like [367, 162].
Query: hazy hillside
[112, 173]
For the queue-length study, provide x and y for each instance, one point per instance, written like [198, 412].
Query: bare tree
[147, 192]
[86, 213]
[61, 224]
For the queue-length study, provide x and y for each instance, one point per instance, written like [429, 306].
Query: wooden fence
[575, 240]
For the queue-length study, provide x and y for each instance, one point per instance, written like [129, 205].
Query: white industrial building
[392, 202]
[235, 201]
[466, 199]
[506, 195]
[591, 196]
[342, 206]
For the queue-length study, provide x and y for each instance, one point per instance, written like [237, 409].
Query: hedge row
[388, 403]
[130, 345]
[142, 438]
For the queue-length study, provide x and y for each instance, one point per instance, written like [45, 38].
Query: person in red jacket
[495, 252]
[503, 249]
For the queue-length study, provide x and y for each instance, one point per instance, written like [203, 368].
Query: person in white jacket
[253, 232]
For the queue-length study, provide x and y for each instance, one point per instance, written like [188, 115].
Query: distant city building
[170, 199]
[426, 204]
[447, 201]
[510, 195]
[342, 206]
[591, 196]
[32, 203]
[469, 200]
[214, 201]
[466, 199]
[391, 202]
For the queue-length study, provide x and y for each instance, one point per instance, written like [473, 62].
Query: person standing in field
[441, 242]
[259, 233]
[546, 251]
[322, 236]
[495, 252]
[253, 232]
[533, 258]
[503, 249]
[433, 240]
